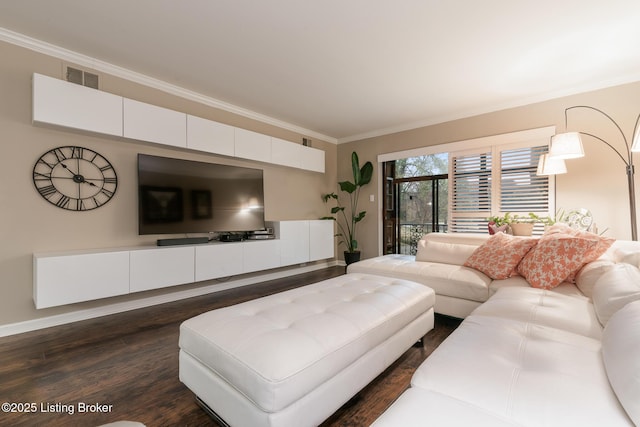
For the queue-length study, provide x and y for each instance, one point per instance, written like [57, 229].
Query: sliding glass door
[416, 201]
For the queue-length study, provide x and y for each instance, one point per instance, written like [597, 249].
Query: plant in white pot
[516, 224]
[348, 221]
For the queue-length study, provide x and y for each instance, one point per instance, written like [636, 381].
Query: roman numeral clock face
[75, 178]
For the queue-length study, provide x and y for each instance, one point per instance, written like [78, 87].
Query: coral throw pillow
[554, 259]
[604, 243]
[500, 254]
[596, 252]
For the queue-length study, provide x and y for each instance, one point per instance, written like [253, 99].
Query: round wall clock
[75, 178]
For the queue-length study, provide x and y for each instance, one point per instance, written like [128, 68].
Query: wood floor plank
[130, 361]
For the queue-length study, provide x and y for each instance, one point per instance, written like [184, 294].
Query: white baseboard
[92, 313]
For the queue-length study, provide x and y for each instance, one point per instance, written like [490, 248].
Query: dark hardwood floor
[128, 363]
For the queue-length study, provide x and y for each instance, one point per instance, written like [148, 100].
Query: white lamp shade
[566, 146]
[636, 141]
[550, 166]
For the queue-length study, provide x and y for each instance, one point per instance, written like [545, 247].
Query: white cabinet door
[286, 153]
[294, 242]
[151, 123]
[312, 159]
[218, 260]
[321, 240]
[261, 255]
[161, 267]
[212, 137]
[74, 106]
[71, 278]
[252, 145]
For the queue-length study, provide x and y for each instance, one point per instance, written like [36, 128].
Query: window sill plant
[516, 224]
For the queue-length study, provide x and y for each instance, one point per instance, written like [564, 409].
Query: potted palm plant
[348, 220]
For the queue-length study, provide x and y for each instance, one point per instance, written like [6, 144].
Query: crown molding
[67, 55]
[520, 102]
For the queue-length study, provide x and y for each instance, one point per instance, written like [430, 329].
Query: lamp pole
[628, 161]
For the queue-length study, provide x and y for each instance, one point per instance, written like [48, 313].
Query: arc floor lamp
[569, 146]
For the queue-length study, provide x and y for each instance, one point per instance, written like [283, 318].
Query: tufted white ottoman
[293, 358]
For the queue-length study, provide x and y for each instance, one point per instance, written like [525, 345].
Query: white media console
[61, 278]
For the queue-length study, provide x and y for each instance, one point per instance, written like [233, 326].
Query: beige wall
[596, 182]
[30, 224]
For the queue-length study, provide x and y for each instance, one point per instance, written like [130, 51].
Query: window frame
[496, 184]
[541, 135]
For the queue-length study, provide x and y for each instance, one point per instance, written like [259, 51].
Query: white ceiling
[346, 69]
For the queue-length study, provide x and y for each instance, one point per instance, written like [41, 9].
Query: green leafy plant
[349, 220]
[500, 220]
[507, 218]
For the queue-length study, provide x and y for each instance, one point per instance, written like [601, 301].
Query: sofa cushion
[616, 288]
[542, 307]
[445, 279]
[589, 274]
[500, 254]
[472, 239]
[564, 288]
[534, 375]
[621, 354]
[513, 281]
[448, 248]
[443, 252]
[418, 408]
[626, 251]
[553, 259]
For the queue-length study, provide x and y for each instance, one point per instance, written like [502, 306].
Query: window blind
[521, 190]
[494, 181]
[471, 192]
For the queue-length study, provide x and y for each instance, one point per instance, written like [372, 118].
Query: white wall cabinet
[212, 137]
[161, 267]
[294, 238]
[312, 159]
[252, 145]
[70, 277]
[286, 153]
[321, 240]
[219, 260]
[261, 255]
[151, 123]
[60, 103]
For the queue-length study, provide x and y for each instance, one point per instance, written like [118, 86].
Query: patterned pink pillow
[500, 254]
[600, 248]
[554, 258]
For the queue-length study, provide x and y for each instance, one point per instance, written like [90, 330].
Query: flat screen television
[183, 196]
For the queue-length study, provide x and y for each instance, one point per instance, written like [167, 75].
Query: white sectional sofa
[525, 356]
[546, 363]
[439, 264]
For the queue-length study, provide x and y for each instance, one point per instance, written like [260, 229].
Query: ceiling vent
[81, 77]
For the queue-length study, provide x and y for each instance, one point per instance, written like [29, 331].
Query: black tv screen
[183, 196]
